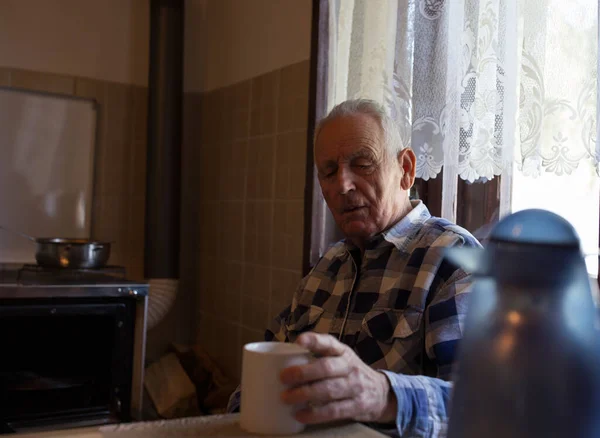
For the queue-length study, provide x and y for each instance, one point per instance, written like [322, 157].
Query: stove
[16, 278]
[73, 347]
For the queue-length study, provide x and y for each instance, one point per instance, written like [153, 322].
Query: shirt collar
[402, 232]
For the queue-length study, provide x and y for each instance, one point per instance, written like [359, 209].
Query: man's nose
[345, 181]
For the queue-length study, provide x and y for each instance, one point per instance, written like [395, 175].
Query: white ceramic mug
[261, 409]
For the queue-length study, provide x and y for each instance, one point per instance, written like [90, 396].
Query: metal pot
[58, 252]
[71, 253]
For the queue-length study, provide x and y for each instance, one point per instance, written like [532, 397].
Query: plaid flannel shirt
[400, 306]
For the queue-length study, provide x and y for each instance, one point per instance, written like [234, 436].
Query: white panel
[46, 169]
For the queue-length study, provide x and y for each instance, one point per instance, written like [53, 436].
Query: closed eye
[328, 173]
[363, 165]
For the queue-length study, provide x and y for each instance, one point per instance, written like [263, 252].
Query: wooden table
[212, 425]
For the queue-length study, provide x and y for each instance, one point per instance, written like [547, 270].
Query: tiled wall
[119, 185]
[243, 193]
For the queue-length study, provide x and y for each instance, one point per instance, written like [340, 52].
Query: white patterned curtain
[477, 87]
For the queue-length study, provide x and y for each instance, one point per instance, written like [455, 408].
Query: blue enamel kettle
[529, 361]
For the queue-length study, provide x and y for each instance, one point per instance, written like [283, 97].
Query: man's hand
[337, 386]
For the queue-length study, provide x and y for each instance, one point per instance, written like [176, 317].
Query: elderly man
[382, 308]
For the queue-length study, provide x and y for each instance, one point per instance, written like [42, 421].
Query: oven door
[65, 361]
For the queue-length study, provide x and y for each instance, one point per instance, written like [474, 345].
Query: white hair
[391, 134]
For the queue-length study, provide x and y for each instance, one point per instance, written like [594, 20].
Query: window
[498, 98]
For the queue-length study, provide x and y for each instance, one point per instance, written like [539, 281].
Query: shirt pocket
[387, 325]
[307, 320]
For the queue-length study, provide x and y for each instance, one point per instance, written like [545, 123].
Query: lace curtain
[477, 87]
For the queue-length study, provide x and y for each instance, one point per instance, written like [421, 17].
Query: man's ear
[407, 162]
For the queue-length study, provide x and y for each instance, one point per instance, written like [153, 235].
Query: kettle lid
[535, 226]
[529, 228]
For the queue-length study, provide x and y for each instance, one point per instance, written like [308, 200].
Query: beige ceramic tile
[228, 96]
[283, 165]
[205, 328]
[230, 360]
[288, 218]
[232, 216]
[110, 215]
[240, 95]
[210, 117]
[240, 123]
[255, 313]
[293, 113]
[207, 336]
[210, 227]
[191, 176]
[293, 99]
[231, 278]
[294, 222]
[249, 335]
[251, 222]
[5, 74]
[225, 350]
[298, 186]
[263, 252]
[283, 284]
[238, 164]
[231, 239]
[228, 306]
[225, 132]
[255, 117]
[208, 284]
[256, 92]
[259, 216]
[268, 119]
[120, 249]
[47, 82]
[191, 114]
[265, 91]
[250, 247]
[260, 168]
[226, 129]
[265, 217]
[282, 180]
[279, 251]
[254, 145]
[295, 250]
[279, 217]
[256, 281]
[266, 173]
[90, 89]
[225, 186]
[270, 91]
[257, 248]
[295, 78]
[209, 172]
[298, 153]
[286, 251]
[232, 170]
[230, 333]
[290, 173]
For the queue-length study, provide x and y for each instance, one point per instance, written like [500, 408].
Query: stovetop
[23, 280]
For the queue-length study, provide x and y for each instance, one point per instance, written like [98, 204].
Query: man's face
[361, 183]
